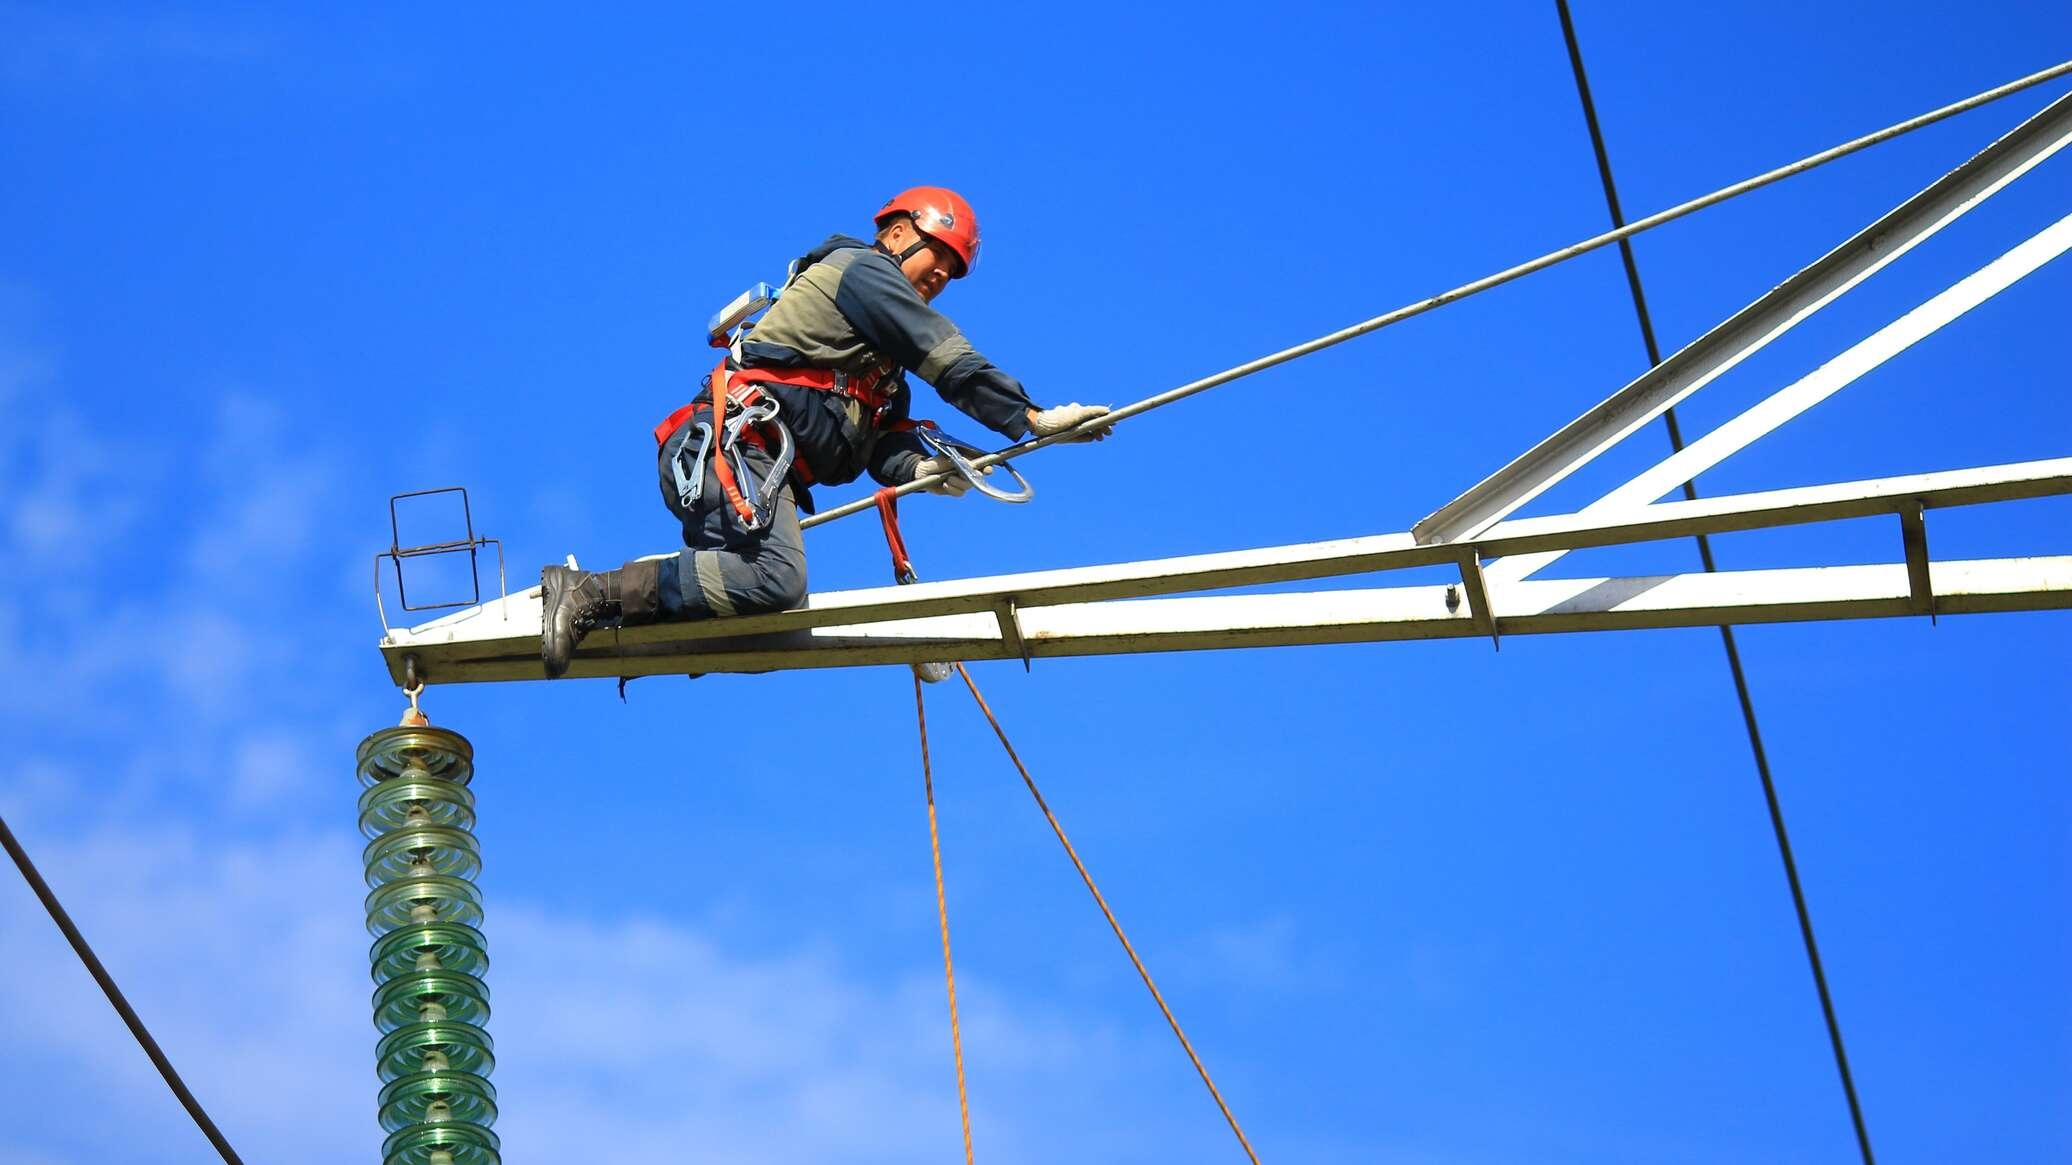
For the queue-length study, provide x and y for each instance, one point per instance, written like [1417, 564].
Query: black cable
[1690, 489]
[114, 994]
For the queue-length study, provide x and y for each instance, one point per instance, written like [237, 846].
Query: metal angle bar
[1913, 536]
[1485, 283]
[1753, 327]
[1009, 618]
[1823, 382]
[510, 627]
[1476, 584]
[1202, 623]
[1801, 505]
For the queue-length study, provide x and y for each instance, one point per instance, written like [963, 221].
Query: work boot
[572, 602]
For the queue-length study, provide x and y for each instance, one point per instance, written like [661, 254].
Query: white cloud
[268, 765]
[247, 962]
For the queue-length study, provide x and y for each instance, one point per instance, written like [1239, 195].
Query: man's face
[928, 269]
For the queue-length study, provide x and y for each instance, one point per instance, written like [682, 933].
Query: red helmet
[942, 215]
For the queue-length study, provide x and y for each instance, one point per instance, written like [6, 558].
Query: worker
[831, 356]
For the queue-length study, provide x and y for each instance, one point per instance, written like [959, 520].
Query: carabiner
[955, 452]
[761, 494]
[689, 467]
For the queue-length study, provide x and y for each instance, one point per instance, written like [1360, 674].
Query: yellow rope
[942, 912]
[1099, 901]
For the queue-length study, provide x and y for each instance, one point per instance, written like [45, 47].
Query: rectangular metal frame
[471, 545]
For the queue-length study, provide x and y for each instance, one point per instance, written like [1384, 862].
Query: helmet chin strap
[900, 259]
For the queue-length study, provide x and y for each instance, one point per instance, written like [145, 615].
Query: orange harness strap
[888, 516]
[861, 386]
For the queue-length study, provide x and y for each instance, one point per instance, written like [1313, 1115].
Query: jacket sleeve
[892, 318]
[893, 458]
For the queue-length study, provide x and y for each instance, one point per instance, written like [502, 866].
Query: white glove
[955, 485]
[1051, 421]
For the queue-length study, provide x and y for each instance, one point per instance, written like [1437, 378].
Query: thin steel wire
[942, 914]
[115, 996]
[1627, 231]
[1106, 913]
[1741, 690]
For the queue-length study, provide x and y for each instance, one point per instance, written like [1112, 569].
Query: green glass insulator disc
[455, 947]
[401, 1000]
[401, 1053]
[469, 1098]
[392, 752]
[451, 900]
[448, 851]
[469, 1144]
[387, 806]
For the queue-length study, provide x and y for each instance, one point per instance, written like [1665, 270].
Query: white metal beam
[1823, 382]
[1750, 329]
[1362, 616]
[509, 628]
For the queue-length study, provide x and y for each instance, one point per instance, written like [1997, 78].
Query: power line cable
[115, 996]
[1690, 490]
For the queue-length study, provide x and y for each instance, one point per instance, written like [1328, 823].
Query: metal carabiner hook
[760, 492]
[955, 452]
[688, 466]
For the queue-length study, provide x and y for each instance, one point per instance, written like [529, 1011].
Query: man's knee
[780, 582]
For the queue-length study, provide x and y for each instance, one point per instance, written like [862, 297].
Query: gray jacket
[849, 308]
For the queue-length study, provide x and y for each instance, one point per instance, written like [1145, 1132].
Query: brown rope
[942, 912]
[1103, 904]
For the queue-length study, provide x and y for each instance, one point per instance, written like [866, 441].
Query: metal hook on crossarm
[960, 453]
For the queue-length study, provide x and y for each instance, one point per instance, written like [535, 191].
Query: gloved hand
[1047, 422]
[956, 485]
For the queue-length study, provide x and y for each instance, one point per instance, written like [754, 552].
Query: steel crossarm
[1752, 328]
[503, 636]
[1203, 623]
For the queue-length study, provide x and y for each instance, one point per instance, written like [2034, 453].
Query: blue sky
[1417, 902]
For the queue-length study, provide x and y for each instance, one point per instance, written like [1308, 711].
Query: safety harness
[747, 414]
[733, 410]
